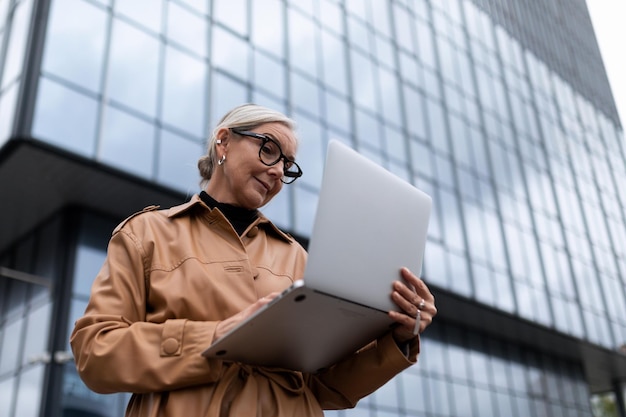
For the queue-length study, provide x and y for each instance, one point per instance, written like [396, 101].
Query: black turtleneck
[240, 218]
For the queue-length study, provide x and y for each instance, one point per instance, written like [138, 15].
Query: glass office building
[499, 109]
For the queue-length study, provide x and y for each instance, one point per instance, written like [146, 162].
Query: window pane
[178, 159]
[75, 47]
[305, 94]
[232, 13]
[226, 95]
[362, 80]
[230, 53]
[184, 91]
[89, 260]
[269, 75]
[302, 43]
[334, 61]
[145, 12]
[10, 348]
[306, 204]
[267, 26]
[65, 117]
[128, 143]
[133, 68]
[29, 392]
[7, 389]
[7, 112]
[17, 42]
[37, 326]
[187, 29]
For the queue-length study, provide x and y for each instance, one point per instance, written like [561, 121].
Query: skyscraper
[499, 109]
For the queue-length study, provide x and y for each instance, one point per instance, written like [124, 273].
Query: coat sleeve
[116, 350]
[344, 384]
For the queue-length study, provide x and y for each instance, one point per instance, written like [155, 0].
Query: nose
[278, 169]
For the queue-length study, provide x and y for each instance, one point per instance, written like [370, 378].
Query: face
[243, 180]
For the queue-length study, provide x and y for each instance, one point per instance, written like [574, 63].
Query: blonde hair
[244, 117]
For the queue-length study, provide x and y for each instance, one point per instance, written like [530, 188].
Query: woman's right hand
[227, 325]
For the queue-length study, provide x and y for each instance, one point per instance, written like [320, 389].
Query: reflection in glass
[89, 260]
[229, 53]
[177, 165]
[310, 151]
[268, 26]
[302, 43]
[390, 101]
[183, 101]
[413, 392]
[440, 399]
[462, 400]
[226, 94]
[224, 12]
[305, 93]
[187, 29]
[337, 111]
[460, 275]
[368, 128]
[437, 126]
[387, 395]
[8, 103]
[17, 43]
[306, 205]
[37, 327]
[74, 48]
[436, 265]
[362, 77]
[128, 143]
[278, 210]
[133, 68]
[10, 348]
[65, 117]
[145, 12]
[7, 392]
[269, 75]
[334, 62]
[29, 392]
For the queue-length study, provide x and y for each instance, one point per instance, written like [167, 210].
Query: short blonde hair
[244, 117]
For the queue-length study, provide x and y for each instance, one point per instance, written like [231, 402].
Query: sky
[609, 21]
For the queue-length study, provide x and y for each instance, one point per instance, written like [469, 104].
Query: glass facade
[479, 103]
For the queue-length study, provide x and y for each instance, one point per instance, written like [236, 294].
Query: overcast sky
[609, 22]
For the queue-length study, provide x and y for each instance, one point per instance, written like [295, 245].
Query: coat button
[253, 232]
[170, 346]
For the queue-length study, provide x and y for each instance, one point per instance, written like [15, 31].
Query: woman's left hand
[417, 305]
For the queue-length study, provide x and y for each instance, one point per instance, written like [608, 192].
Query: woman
[174, 280]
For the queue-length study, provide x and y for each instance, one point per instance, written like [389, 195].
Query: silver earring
[218, 141]
[221, 160]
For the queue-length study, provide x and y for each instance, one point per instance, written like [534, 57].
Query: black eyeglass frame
[288, 176]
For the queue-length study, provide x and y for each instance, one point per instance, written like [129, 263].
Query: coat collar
[196, 203]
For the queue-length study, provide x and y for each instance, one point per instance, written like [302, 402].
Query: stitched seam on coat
[166, 268]
[268, 269]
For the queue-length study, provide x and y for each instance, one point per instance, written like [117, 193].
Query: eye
[270, 147]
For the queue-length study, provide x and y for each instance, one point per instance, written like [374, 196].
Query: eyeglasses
[270, 154]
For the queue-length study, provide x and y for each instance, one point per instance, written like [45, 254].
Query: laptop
[369, 223]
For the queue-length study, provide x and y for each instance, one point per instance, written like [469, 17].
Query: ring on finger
[416, 329]
[421, 305]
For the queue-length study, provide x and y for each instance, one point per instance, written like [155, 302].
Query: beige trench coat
[170, 276]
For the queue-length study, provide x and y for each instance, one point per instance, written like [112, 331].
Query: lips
[264, 184]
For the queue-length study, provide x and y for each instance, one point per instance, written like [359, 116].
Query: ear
[222, 137]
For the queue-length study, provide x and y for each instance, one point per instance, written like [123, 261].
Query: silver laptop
[369, 223]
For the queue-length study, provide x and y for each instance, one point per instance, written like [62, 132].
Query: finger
[406, 326]
[406, 306]
[417, 325]
[420, 287]
[408, 293]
